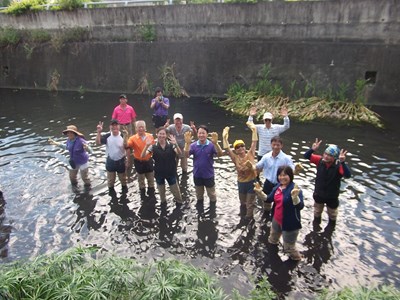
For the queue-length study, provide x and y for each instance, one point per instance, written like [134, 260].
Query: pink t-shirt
[124, 116]
[278, 199]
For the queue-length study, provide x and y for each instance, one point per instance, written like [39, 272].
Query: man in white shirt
[268, 130]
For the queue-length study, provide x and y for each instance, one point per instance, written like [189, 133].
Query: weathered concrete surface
[329, 42]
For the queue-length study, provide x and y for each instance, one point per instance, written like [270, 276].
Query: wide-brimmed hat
[74, 129]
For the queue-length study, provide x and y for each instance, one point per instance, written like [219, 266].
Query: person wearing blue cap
[331, 168]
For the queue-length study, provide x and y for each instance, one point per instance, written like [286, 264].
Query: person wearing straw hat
[331, 168]
[78, 150]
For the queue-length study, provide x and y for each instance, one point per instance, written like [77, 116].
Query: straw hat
[74, 129]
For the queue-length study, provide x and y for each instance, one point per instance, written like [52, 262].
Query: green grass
[87, 274]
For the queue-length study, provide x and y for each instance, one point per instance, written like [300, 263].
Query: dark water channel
[43, 214]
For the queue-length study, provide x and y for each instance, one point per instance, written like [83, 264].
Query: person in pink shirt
[125, 114]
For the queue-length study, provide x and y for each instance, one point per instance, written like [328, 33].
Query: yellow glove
[214, 137]
[254, 135]
[249, 165]
[188, 140]
[188, 137]
[259, 192]
[297, 168]
[295, 195]
[225, 136]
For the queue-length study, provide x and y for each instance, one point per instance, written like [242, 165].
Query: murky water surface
[43, 214]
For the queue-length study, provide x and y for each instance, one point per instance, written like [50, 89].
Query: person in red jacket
[331, 167]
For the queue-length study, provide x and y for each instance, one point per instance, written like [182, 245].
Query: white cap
[268, 116]
[178, 116]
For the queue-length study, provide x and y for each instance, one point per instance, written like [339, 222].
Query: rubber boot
[176, 192]
[143, 194]
[274, 237]
[151, 193]
[161, 191]
[213, 209]
[291, 250]
[243, 210]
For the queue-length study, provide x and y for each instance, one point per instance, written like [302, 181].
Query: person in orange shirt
[143, 165]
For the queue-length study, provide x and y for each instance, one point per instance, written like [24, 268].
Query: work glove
[188, 140]
[254, 135]
[259, 192]
[297, 168]
[225, 136]
[295, 195]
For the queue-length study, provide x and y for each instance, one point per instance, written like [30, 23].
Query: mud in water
[44, 214]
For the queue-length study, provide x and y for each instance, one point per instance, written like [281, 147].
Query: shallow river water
[43, 214]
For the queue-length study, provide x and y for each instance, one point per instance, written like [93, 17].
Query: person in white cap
[268, 130]
[178, 130]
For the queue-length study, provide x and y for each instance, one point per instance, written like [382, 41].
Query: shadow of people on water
[85, 212]
[319, 247]
[169, 224]
[207, 236]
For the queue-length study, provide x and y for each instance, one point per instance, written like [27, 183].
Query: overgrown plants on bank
[305, 104]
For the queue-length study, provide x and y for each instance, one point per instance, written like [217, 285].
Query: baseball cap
[268, 116]
[178, 116]
[123, 96]
[114, 121]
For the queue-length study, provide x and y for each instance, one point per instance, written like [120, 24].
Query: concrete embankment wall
[211, 46]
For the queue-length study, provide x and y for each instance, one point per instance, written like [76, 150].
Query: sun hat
[74, 129]
[237, 143]
[268, 116]
[114, 121]
[178, 116]
[333, 150]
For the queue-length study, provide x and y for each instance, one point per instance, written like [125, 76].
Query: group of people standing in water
[156, 161]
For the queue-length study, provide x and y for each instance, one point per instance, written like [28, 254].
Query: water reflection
[47, 215]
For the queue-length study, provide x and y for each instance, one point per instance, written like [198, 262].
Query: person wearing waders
[331, 168]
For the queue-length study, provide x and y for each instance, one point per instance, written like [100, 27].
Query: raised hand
[342, 155]
[253, 111]
[53, 142]
[295, 194]
[188, 137]
[214, 137]
[297, 168]
[316, 144]
[100, 127]
[172, 139]
[284, 112]
[259, 192]
[225, 132]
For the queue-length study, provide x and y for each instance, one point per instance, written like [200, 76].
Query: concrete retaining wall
[212, 46]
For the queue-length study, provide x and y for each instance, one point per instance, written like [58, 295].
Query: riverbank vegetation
[88, 275]
[305, 104]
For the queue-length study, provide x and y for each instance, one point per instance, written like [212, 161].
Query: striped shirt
[265, 135]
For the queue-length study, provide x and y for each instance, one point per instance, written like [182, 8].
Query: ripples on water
[43, 214]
